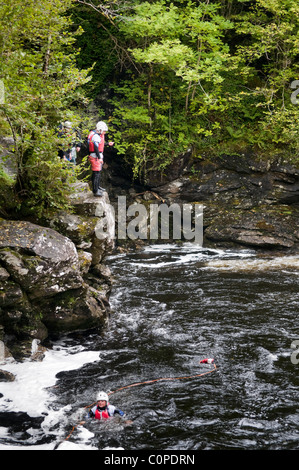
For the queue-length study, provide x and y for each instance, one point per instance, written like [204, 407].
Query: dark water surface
[174, 306]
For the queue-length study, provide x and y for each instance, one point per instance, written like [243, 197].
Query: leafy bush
[42, 85]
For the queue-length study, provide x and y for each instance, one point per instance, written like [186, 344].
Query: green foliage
[6, 192]
[173, 103]
[272, 53]
[42, 83]
[95, 47]
[211, 76]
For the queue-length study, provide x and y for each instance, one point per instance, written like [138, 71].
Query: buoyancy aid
[96, 163]
[91, 144]
[101, 414]
[102, 144]
[105, 413]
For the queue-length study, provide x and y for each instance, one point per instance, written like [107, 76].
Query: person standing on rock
[96, 142]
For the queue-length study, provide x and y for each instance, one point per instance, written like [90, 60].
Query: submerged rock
[6, 376]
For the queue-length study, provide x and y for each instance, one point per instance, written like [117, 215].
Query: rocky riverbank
[52, 277]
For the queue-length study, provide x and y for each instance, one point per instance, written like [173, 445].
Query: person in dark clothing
[71, 139]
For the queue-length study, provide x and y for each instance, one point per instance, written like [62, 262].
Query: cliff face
[52, 277]
[247, 201]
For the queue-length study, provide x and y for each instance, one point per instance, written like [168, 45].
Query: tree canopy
[213, 76]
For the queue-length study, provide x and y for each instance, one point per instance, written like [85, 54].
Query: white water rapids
[32, 391]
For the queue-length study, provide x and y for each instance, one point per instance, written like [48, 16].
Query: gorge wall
[52, 277]
[247, 201]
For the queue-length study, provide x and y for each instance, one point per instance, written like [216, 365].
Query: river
[172, 307]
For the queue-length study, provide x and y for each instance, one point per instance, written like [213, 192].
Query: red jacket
[96, 147]
[101, 414]
[95, 142]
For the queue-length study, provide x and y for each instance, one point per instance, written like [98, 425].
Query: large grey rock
[44, 282]
[10, 294]
[247, 201]
[81, 309]
[40, 260]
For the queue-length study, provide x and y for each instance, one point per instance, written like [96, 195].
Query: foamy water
[219, 259]
[31, 391]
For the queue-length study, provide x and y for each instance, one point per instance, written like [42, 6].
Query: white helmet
[67, 124]
[102, 126]
[102, 396]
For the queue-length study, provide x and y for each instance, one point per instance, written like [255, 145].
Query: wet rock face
[263, 227]
[52, 279]
[246, 201]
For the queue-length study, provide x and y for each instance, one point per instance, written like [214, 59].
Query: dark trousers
[95, 181]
